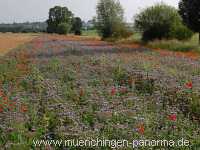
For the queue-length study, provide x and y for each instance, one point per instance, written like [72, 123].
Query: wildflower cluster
[7, 104]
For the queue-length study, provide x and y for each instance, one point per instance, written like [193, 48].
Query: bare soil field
[9, 41]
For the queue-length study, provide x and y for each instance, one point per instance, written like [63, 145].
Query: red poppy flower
[141, 129]
[5, 102]
[189, 85]
[5, 98]
[1, 93]
[172, 117]
[24, 108]
[1, 108]
[113, 91]
[12, 106]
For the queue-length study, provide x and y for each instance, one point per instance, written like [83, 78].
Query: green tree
[161, 21]
[76, 26]
[110, 19]
[190, 12]
[63, 28]
[57, 16]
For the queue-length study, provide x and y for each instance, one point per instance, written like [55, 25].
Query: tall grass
[174, 45]
[89, 33]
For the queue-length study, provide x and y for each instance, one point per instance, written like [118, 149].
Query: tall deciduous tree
[57, 17]
[190, 12]
[161, 21]
[76, 26]
[110, 18]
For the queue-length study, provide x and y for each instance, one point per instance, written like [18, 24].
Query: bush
[156, 32]
[63, 28]
[121, 31]
[181, 32]
[161, 22]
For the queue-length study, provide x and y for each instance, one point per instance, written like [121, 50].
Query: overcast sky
[37, 10]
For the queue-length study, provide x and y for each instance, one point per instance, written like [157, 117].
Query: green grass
[137, 37]
[89, 33]
[174, 45]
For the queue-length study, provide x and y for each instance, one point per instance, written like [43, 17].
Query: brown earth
[10, 41]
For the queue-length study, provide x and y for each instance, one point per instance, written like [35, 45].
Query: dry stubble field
[9, 41]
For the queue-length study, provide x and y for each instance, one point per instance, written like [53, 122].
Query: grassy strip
[174, 45]
[89, 33]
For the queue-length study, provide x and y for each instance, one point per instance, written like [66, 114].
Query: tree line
[24, 27]
[160, 21]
